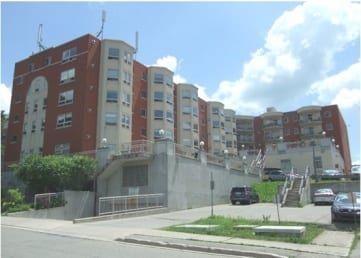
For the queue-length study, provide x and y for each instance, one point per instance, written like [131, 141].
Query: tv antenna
[40, 38]
[102, 27]
[136, 44]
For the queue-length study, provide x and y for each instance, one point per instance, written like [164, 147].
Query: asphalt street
[147, 229]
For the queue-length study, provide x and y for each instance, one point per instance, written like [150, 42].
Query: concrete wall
[79, 204]
[184, 181]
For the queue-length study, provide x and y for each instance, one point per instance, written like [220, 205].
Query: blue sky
[249, 55]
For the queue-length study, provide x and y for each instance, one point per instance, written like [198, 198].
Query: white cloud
[299, 51]
[5, 98]
[342, 89]
[169, 62]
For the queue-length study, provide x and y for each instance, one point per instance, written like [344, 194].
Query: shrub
[14, 202]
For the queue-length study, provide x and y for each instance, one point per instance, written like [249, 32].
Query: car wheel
[233, 202]
[315, 203]
[333, 218]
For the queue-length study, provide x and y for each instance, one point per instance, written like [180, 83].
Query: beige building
[187, 115]
[115, 94]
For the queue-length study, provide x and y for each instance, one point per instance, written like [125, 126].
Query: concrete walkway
[145, 230]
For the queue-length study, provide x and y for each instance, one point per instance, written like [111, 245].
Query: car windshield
[324, 191]
[353, 197]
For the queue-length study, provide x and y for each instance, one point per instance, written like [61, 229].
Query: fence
[119, 204]
[49, 200]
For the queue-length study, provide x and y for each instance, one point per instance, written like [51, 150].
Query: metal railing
[49, 200]
[121, 204]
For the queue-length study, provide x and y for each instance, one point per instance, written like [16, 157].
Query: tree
[55, 173]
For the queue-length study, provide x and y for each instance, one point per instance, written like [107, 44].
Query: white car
[324, 195]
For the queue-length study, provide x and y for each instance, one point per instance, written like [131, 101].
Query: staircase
[293, 197]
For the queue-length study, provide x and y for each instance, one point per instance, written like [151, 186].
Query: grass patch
[267, 190]
[226, 228]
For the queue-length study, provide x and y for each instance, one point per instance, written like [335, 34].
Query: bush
[267, 190]
[13, 202]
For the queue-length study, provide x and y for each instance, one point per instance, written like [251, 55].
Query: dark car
[346, 206]
[243, 194]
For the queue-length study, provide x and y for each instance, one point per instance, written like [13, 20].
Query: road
[18, 243]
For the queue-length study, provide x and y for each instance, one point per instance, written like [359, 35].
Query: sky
[248, 55]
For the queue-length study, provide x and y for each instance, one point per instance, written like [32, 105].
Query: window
[216, 138]
[33, 126]
[143, 94]
[25, 127]
[169, 98]
[169, 116]
[158, 78]
[215, 124]
[187, 142]
[45, 103]
[127, 57]
[187, 126]
[228, 118]
[69, 54]
[126, 99]
[329, 126]
[195, 111]
[158, 96]
[16, 119]
[143, 132]
[168, 80]
[285, 120]
[295, 118]
[143, 112]
[42, 124]
[110, 118]
[27, 107]
[127, 77]
[195, 128]
[66, 97]
[215, 110]
[113, 53]
[112, 75]
[296, 131]
[318, 162]
[62, 149]
[64, 120]
[112, 96]
[19, 80]
[229, 144]
[68, 75]
[187, 109]
[158, 114]
[14, 139]
[125, 121]
[327, 114]
[194, 95]
[186, 94]
[47, 61]
[31, 67]
[144, 75]
[35, 108]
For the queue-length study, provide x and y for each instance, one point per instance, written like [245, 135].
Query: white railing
[119, 204]
[49, 200]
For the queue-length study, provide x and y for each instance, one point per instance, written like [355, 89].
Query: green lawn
[227, 224]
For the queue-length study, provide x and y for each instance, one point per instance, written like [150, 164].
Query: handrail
[119, 204]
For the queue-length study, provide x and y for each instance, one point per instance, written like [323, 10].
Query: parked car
[323, 195]
[346, 206]
[331, 174]
[268, 171]
[277, 176]
[355, 172]
[243, 194]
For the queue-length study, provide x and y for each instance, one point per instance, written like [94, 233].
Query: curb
[205, 249]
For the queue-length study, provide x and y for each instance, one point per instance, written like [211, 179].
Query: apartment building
[89, 92]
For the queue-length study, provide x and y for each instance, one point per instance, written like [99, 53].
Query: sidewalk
[145, 230]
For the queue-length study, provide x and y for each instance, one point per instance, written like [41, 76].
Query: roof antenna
[136, 44]
[102, 27]
[40, 38]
